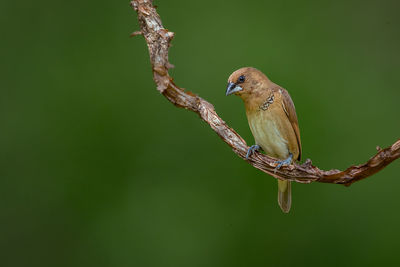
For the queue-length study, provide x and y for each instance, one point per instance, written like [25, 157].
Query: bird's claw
[251, 150]
[285, 162]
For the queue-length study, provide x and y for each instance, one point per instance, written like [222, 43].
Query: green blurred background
[98, 169]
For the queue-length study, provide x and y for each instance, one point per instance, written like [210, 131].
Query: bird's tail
[284, 195]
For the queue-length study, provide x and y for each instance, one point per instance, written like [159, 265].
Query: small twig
[158, 41]
[133, 34]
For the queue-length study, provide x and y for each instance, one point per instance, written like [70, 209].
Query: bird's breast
[270, 131]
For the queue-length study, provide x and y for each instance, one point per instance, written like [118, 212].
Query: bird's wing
[290, 111]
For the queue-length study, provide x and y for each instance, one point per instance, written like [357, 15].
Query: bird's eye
[241, 79]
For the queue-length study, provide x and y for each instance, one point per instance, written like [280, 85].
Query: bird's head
[246, 82]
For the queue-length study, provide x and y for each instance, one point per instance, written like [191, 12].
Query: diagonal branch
[158, 41]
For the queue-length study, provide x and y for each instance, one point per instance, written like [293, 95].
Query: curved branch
[158, 41]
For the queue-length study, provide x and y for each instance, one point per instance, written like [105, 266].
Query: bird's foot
[251, 150]
[285, 162]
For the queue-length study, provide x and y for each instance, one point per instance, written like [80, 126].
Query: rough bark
[158, 41]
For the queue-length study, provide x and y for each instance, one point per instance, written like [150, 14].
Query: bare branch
[158, 41]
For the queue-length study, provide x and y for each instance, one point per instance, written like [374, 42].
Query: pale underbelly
[267, 135]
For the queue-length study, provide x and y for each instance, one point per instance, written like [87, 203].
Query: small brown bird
[272, 119]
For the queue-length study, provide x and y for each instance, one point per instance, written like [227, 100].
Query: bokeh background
[98, 169]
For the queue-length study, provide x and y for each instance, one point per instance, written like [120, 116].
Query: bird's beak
[232, 88]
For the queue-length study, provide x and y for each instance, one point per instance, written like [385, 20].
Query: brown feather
[290, 110]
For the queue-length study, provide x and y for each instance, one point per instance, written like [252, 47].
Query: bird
[272, 119]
